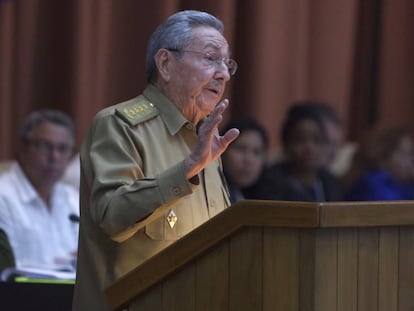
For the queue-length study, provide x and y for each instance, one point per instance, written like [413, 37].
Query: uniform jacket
[132, 176]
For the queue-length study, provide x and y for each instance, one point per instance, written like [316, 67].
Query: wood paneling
[212, 282]
[307, 269]
[364, 214]
[246, 260]
[368, 269]
[281, 264]
[288, 266]
[326, 263]
[406, 269]
[388, 269]
[347, 269]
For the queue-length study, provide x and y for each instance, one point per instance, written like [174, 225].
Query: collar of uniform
[172, 117]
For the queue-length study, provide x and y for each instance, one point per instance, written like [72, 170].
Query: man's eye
[211, 58]
[43, 145]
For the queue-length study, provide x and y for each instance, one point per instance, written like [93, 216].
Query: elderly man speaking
[150, 166]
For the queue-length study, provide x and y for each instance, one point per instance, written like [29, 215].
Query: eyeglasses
[210, 59]
[45, 146]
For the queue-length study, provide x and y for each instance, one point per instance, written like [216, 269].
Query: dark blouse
[279, 183]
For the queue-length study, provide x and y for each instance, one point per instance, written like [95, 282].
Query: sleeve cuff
[173, 183]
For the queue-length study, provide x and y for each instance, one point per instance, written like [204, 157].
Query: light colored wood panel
[307, 252]
[245, 268]
[388, 269]
[191, 246]
[178, 292]
[150, 300]
[406, 275]
[347, 269]
[368, 269]
[212, 280]
[326, 270]
[280, 269]
[363, 214]
[295, 215]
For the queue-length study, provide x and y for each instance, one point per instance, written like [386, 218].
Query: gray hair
[46, 115]
[176, 33]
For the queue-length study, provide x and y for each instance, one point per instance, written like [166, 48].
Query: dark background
[83, 55]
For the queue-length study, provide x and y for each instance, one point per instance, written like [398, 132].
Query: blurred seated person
[382, 168]
[245, 158]
[337, 155]
[6, 252]
[35, 206]
[72, 172]
[301, 175]
[333, 129]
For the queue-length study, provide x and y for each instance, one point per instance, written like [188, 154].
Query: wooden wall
[364, 269]
[358, 258]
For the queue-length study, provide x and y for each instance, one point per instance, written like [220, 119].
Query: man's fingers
[230, 136]
[220, 107]
[215, 116]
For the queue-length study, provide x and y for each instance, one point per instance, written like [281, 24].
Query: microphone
[74, 218]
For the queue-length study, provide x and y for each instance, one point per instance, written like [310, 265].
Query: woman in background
[302, 174]
[382, 168]
[245, 158]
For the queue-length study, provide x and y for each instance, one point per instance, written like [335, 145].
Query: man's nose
[223, 70]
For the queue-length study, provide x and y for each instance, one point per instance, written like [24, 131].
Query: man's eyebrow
[216, 47]
[212, 45]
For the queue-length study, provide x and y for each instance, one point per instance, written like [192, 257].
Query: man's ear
[163, 62]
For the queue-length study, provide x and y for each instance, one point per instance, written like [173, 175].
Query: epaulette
[137, 111]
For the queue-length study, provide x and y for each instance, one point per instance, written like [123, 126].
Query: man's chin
[53, 176]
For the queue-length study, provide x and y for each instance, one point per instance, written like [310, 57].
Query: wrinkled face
[46, 153]
[195, 86]
[306, 145]
[400, 164]
[244, 159]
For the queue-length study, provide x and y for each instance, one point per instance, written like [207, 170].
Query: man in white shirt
[72, 172]
[38, 212]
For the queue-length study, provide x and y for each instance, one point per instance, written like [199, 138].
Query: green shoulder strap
[137, 111]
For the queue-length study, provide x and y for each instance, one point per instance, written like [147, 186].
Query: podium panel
[283, 256]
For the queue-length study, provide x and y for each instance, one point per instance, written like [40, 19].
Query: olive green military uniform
[132, 168]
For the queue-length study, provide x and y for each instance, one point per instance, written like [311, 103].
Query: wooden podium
[274, 255]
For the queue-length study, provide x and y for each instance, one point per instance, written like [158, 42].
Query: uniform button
[189, 126]
[176, 190]
[212, 203]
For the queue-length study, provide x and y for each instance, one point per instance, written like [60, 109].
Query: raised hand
[210, 144]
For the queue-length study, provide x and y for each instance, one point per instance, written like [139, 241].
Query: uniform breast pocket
[160, 229]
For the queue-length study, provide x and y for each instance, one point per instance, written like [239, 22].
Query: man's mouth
[215, 91]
